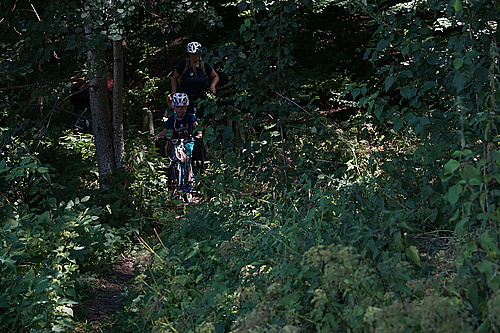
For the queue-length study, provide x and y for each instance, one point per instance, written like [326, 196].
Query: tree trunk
[119, 149]
[101, 119]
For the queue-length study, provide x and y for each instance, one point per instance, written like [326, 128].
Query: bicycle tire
[178, 179]
[187, 197]
[198, 158]
[189, 166]
[173, 176]
[187, 188]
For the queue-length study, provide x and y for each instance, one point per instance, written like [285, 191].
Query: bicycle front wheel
[188, 197]
[174, 176]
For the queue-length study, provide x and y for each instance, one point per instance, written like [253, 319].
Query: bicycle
[180, 172]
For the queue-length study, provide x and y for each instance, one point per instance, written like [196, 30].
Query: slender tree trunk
[101, 118]
[118, 143]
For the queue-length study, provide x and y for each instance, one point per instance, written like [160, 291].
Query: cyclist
[191, 76]
[181, 123]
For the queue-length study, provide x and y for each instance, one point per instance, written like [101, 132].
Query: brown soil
[101, 299]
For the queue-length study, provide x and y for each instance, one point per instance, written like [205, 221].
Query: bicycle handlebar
[183, 140]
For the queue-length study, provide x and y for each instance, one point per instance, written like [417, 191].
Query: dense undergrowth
[330, 242]
[311, 234]
[58, 226]
[387, 222]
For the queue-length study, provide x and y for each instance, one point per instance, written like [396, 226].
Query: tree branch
[300, 107]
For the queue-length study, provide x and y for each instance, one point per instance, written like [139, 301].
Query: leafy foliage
[386, 222]
[341, 228]
[44, 240]
[56, 226]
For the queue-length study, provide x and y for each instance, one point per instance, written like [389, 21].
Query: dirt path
[96, 311]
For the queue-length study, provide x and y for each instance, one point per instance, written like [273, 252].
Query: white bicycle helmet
[193, 47]
[180, 99]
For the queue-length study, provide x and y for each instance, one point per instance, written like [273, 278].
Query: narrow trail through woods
[96, 311]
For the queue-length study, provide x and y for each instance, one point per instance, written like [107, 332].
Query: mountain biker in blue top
[181, 123]
[191, 78]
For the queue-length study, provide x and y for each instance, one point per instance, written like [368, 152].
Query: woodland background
[362, 197]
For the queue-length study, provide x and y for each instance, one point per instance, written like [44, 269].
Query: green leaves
[408, 92]
[433, 58]
[242, 5]
[382, 44]
[454, 193]
[38, 250]
[450, 167]
[458, 63]
[481, 74]
[459, 82]
[457, 5]
[389, 81]
[412, 253]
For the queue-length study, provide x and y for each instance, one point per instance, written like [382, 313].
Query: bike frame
[180, 168]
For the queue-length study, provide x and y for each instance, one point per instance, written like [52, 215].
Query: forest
[352, 180]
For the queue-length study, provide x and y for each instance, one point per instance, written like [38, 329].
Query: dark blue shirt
[181, 128]
[194, 82]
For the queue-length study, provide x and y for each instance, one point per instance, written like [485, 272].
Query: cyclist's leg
[175, 172]
[187, 168]
[198, 158]
[194, 105]
[200, 110]
[173, 175]
[169, 148]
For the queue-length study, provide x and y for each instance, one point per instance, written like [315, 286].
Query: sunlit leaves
[412, 253]
[457, 5]
[451, 166]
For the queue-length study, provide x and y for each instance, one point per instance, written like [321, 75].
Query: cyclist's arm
[193, 125]
[215, 79]
[196, 134]
[166, 127]
[161, 134]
